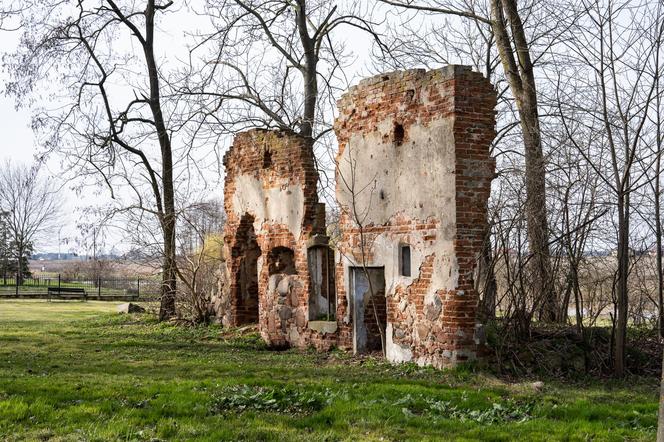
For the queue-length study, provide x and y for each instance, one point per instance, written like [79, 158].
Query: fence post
[17, 284]
[138, 287]
[98, 288]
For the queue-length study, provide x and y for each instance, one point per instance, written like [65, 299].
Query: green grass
[78, 371]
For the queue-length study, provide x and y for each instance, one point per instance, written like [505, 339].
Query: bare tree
[9, 11]
[654, 219]
[112, 123]
[276, 63]
[200, 259]
[606, 98]
[660, 416]
[31, 207]
[502, 27]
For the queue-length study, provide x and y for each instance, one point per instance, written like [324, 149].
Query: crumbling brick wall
[272, 209]
[414, 171]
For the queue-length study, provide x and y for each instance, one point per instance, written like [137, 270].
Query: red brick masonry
[426, 324]
[282, 166]
[439, 332]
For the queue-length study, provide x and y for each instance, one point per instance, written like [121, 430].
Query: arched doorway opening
[246, 253]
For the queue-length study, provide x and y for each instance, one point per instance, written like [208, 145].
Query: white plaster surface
[416, 178]
[418, 181]
[281, 205]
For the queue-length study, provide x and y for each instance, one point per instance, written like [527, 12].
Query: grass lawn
[78, 371]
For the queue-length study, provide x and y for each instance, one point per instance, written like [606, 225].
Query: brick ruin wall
[414, 168]
[272, 210]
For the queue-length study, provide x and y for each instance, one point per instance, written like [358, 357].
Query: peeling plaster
[418, 182]
[278, 205]
[393, 351]
[413, 181]
[416, 178]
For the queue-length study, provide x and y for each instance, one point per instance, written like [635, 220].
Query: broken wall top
[271, 154]
[408, 138]
[414, 96]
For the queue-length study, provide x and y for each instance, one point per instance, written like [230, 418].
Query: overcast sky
[17, 139]
[17, 143]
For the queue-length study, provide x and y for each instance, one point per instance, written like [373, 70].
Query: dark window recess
[281, 260]
[267, 159]
[410, 93]
[398, 134]
[405, 260]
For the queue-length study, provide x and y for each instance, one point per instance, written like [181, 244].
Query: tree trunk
[519, 71]
[309, 72]
[578, 310]
[621, 292]
[486, 281]
[660, 271]
[658, 225]
[20, 252]
[169, 285]
[567, 295]
[660, 418]
[168, 218]
[536, 214]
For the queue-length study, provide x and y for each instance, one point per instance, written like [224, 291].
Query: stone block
[130, 307]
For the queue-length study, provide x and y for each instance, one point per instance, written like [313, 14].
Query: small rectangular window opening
[405, 260]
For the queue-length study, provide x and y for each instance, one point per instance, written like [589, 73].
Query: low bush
[240, 398]
[499, 412]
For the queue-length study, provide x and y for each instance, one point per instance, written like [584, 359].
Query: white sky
[16, 139]
[18, 143]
